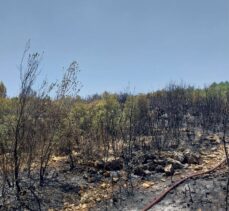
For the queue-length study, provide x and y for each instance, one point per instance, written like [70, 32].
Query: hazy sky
[144, 43]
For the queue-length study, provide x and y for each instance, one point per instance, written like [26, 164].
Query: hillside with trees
[60, 151]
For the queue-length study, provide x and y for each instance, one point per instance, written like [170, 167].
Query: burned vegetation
[61, 152]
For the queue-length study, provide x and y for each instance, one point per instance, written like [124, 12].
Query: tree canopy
[2, 90]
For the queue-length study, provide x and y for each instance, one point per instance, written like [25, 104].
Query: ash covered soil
[91, 188]
[208, 192]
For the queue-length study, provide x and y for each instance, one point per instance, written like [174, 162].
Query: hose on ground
[175, 184]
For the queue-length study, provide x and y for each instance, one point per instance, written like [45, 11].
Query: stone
[159, 169]
[214, 139]
[98, 199]
[147, 184]
[114, 165]
[148, 158]
[169, 170]
[151, 166]
[103, 186]
[213, 149]
[115, 179]
[160, 161]
[176, 164]
[147, 172]
[191, 158]
[139, 171]
[179, 156]
[99, 164]
[84, 206]
[106, 174]
[197, 168]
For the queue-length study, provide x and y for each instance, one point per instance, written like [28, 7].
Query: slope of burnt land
[93, 187]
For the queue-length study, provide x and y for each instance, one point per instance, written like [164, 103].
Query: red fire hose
[164, 193]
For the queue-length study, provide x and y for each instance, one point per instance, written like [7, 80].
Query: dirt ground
[71, 190]
[207, 192]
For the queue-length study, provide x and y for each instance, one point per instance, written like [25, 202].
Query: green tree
[2, 90]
